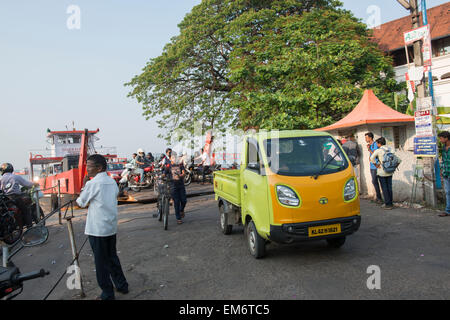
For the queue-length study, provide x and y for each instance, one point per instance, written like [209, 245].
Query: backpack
[390, 161]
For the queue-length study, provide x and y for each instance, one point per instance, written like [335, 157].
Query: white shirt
[206, 159]
[101, 195]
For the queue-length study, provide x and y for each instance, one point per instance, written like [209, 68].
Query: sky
[54, 71]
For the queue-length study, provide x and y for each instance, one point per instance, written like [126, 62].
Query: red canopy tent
[369, 110]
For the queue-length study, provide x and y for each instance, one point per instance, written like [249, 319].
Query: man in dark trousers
[175, 173]
[101, 226]
[371, 147]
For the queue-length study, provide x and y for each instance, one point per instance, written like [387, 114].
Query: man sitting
[11, 185]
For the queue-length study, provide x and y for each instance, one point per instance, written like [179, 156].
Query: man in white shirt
[101, 226]
[206, 163]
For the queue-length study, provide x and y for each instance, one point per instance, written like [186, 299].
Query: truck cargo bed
[227, 186]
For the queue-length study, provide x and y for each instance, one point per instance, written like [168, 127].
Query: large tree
[273, 64]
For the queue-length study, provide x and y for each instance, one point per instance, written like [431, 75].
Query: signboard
[423, 121]
[424, 104]
[425, 146]
[416, 34]
[422, 33]
[426, 51]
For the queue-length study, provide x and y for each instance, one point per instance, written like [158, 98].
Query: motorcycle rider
[10, 184]
[141, 163]
[150, 159]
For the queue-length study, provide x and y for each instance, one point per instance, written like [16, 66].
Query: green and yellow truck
[291, 186]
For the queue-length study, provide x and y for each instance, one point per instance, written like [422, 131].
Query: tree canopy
[271, 64]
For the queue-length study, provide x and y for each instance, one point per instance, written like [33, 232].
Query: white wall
[441, 66]
[403, 178]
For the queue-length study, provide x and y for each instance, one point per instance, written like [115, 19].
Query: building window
[441, 47]
[395, 137]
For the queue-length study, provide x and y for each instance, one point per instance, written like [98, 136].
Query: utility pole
[413, 7]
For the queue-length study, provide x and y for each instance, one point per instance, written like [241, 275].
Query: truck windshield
[304, 156]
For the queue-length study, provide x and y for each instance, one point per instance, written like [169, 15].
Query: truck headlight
[287, 196]
[350, 190]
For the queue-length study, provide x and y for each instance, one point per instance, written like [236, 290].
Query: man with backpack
[386, 166]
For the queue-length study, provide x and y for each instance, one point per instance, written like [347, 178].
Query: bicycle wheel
[159, 206]
[166, 212]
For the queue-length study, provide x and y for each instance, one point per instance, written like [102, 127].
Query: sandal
[444, 214]
[179, 221]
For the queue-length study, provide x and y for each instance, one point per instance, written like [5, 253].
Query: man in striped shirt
[444, 137]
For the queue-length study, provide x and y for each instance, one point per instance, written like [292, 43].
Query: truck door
[254, 188]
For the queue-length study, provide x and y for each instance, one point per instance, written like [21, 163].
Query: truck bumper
[295, 232]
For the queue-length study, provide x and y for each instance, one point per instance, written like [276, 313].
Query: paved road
[411, 247]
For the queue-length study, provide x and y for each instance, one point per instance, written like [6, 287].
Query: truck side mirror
[253, 166]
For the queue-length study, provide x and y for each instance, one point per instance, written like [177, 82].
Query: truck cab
[291, 186]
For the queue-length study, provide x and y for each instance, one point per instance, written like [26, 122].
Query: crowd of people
[100, 192]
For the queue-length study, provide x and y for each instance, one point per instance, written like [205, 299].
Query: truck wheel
[336, 242]
[226, 228]
[256, 243]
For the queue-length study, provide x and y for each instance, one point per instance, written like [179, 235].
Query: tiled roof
[389, 36]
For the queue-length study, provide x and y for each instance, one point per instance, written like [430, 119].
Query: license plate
[324, 230]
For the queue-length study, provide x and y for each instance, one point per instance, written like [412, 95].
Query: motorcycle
[10, 228]
[134, 178]
[195, 173]
[11, 280]
[11, 218]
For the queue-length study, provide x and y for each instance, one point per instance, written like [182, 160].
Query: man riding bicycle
[11, 185]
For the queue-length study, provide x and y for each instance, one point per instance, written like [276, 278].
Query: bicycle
[163, 200]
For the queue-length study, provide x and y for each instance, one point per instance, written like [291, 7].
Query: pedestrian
[175, 173]
[384, 177]
[101, 226]
[444, 138]
[352, 150]
[371, 147]
[206, 164]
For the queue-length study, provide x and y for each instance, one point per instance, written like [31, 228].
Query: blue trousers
[107, 266]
